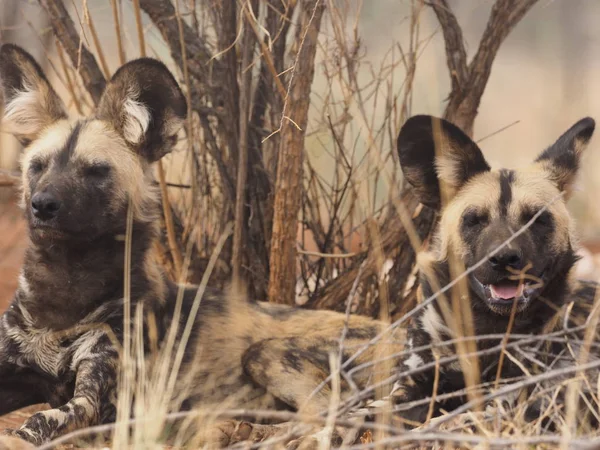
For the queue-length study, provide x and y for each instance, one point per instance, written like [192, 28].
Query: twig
[511, 321]
[65, 32]
[139, 26]
[170, 229]
[117, 22]
[69, 81]
[268, 59]
[328, 255]
[500, 130]
[242, 166]
[469, 81]
[434, 390]
[90, 23]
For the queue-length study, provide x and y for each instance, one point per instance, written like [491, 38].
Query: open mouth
[506, 290]
[501, 295]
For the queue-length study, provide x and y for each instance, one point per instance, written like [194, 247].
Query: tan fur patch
[482, 193]
[99, 143]
[532, 189]
[50, 142]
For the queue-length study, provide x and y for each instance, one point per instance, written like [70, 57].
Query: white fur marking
[397, 386]
[86, 345]
[433, 325]
[24, 285]
[23, 114]
[384, 273]
[137, 120]
[414, 361]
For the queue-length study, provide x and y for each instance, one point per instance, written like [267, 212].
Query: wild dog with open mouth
[59, 339]
[510, 229]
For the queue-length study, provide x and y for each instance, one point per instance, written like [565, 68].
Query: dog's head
[80, 175]
[482, 209]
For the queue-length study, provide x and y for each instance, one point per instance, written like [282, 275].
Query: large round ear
[144, 103]
[562, 159]
[434, 154]
[30, 103]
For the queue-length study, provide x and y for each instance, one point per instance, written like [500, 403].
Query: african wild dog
[480, 209]
[57, 338]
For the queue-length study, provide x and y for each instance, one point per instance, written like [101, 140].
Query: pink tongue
[506, 292]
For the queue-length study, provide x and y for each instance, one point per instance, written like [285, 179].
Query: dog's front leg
[92, 403]
[16, 391]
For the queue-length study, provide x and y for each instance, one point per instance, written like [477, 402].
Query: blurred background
[544, 78]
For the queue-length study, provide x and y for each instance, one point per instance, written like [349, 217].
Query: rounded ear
[561, 160]
[30, 103]
[435, 153]
[144, 103]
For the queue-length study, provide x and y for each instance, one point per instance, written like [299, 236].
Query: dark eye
[97, 170]
[475, 219]
[544, 218]
[36, 166]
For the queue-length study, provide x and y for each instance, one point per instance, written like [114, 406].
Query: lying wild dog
[511, 230]
[60, 338]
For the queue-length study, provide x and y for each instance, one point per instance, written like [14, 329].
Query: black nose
[44, 205]
[507, 257]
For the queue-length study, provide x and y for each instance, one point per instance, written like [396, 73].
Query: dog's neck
[62, 281]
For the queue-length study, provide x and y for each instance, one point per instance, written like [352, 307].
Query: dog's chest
[41, 349]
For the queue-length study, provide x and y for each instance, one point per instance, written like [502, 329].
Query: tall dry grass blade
[90, 23]
[170, 228]
[70, 85]
[127, 369]
[242, 167]
[118, 33]
[140, 28]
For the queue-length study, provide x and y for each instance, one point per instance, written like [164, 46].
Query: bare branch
[456, 54]
[164, 16]
[248, 42]
[468, 82]
[80, 56]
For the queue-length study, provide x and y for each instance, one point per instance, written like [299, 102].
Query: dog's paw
[303, 443]
[10, 440]
[218, 435]
[228, 432]
[23, 435]
[325, 438]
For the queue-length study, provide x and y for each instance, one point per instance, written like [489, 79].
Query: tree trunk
[288, 185]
